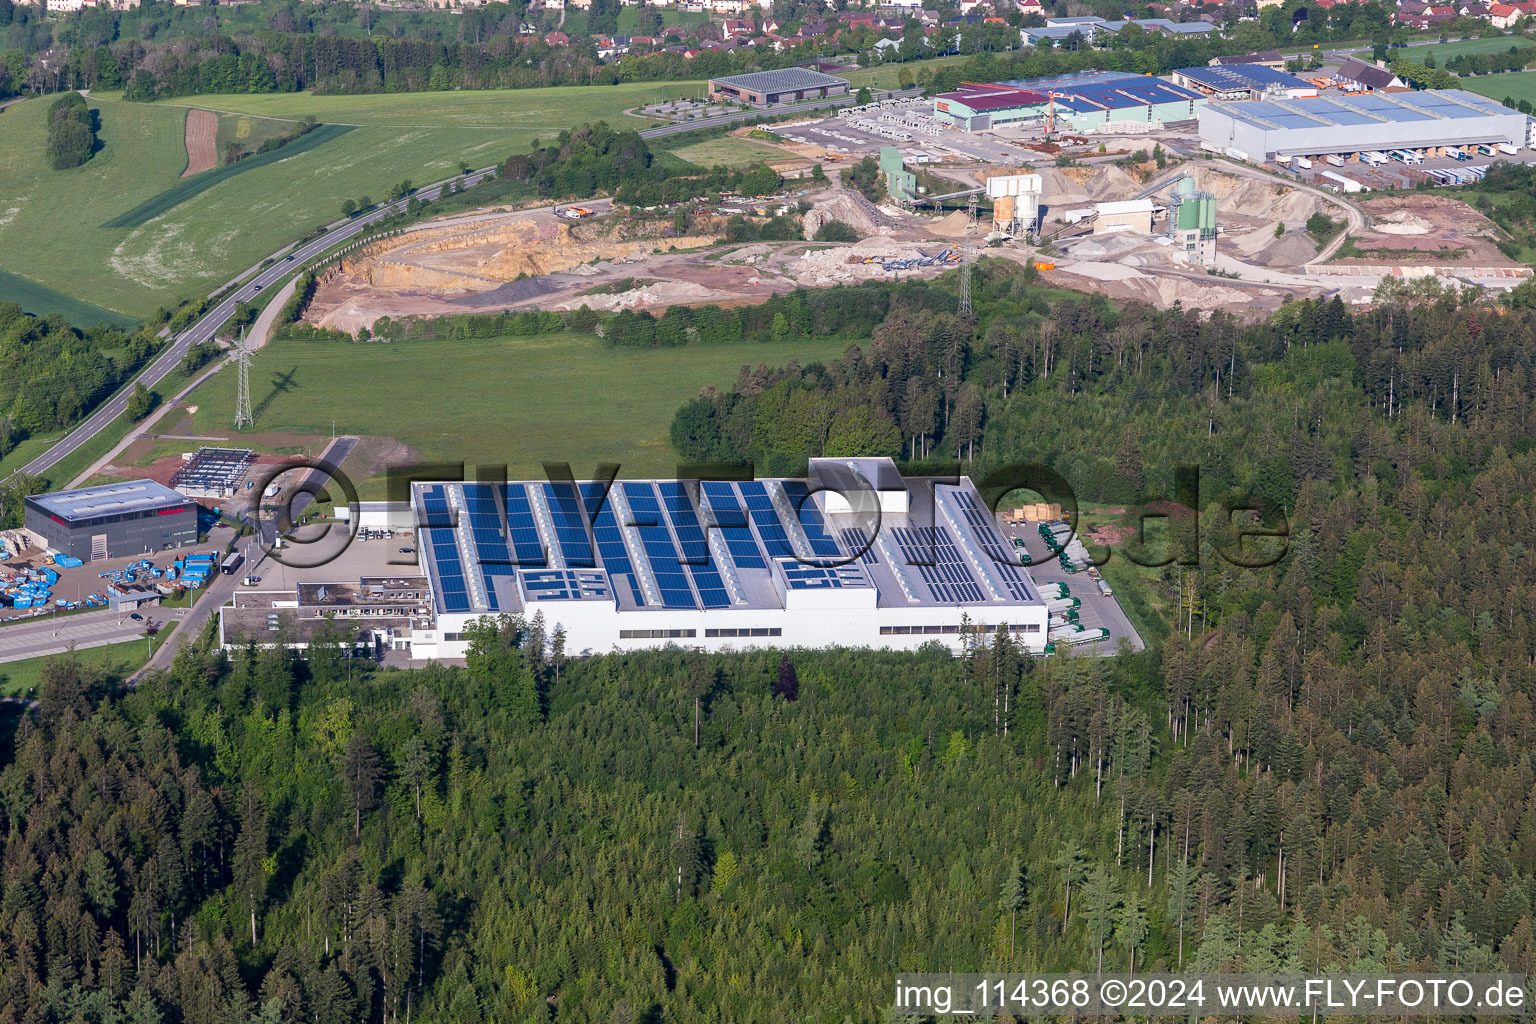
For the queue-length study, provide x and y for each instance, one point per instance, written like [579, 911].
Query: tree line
[56, 373]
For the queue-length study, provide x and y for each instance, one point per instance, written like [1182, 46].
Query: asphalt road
[286, 261]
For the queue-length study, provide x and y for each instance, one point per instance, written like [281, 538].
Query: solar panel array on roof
[610, 541]
[799, 576]
[992, 545]
[1331, 111]
[564, 584]
[766, 518]
[800, 500]
[660, 550]
[782, 80]
[931, 551]
[444, 548]
[570, 525]
[1242, 76]
[855, 539]
[725, 503]
[685, 523]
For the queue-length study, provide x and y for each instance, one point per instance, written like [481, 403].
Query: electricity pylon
[965, 285]
[243, 417]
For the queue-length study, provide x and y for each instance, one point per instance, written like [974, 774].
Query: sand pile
[1110, 246]
[1401, 222]
[953, 225]
[1291, 250]
[852, 209]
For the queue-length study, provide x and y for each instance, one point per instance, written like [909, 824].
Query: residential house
[1505, 15]
[1358, 76]
[738, 26]
[557, 39]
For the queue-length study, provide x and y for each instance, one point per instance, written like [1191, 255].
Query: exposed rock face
[852, 209]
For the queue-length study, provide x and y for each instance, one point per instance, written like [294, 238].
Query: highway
[285, 261]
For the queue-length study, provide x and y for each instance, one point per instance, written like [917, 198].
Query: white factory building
[855, 556]
[1427, 121]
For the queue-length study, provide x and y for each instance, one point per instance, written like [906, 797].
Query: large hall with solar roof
[1348, 125]
[852, 556]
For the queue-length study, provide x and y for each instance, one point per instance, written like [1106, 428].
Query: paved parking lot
[1096, 609]
[46, 635]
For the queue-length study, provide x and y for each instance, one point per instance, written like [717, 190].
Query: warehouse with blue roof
[1243, 82]
[851, 556]
[1426, 122]
[1079, 102]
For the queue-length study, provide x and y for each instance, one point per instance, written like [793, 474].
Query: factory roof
[998, 97]
[1428, 106]
[1126, 206]
[108, 500]
[1242, 76]
[782, 80]
[1107, 90]
[1263, 56]
[653, 545]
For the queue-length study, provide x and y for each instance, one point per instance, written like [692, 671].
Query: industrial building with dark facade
[112, 520]
[786, 85]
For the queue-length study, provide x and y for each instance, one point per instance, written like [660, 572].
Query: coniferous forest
[1326, 763]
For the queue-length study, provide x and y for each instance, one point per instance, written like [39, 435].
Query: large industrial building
[111, 520]
[1243, 82]
[786, 85]
[737, 564]
[1348, 125]
[1078, 102]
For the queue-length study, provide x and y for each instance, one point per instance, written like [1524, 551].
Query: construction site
[1089, 212]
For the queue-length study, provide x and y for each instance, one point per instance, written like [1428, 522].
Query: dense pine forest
[1326, 763]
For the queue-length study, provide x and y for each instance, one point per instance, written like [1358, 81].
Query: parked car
[136, 617]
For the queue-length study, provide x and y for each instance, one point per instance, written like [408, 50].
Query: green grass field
[42, 300]
[1518, 85]
[20, 678]
[729, 151]
[50, 221]
[188, 188]
[519, 401]
[1449, 51]
[528, 113]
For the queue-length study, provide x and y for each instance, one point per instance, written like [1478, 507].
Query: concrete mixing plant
[1192, 221]
[1015, 204]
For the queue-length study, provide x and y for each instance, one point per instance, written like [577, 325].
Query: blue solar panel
[690, 535]
[949, 579]
[564, 584]
[993, 545]
[855, 539]
[732, 520]
[798, 576]
[811, 522]
[766, 518]
[570, 526]
[660, 551]
[610, 541]
[434, 507]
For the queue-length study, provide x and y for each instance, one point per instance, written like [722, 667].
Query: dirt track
[202, 141]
